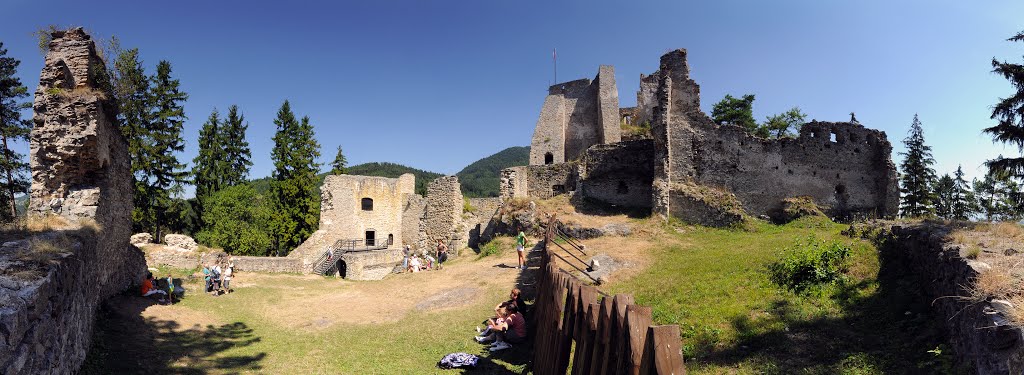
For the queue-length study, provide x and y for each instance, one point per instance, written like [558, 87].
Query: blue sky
[439, 84]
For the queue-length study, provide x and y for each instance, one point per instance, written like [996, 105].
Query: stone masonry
[80, 171]
[844, 167]
[575, 116]
[442, 216]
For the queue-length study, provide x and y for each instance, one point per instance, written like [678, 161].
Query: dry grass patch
[994, 283]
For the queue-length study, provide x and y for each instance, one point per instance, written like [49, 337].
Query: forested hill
[481, 178]
[393, 170]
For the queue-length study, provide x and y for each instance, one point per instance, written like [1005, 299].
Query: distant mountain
[481, 178]
[393, 170]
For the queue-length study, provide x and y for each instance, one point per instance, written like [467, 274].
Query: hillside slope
[481, 178]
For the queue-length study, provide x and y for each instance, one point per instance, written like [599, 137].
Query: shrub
[810, 262]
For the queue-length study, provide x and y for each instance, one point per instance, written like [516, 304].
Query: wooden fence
[611, 334]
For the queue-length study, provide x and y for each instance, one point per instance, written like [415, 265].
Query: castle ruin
[692, 164]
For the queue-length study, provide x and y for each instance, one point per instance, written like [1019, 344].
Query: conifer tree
[12, 128]
[735, 111]
[1009, 113]
[237, 157]
[166, 173]
[340, 164]
[131, 88]
[963, 204]
[996, 196]
[944, 197]
[207, 167]
[295, 180]
[917, 175]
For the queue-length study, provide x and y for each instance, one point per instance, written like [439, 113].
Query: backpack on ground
[458, 360]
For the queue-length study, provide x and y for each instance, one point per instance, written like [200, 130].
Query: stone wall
[512, 183]
[268, 264]
[619, 174]
[80, 171]
[480, 222]
[979, 332]
[576, 115]
[442, 216]
[411, 216]
[844, 167]
[370, 265]
[546, 181]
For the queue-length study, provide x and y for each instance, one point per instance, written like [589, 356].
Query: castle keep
[691, 166]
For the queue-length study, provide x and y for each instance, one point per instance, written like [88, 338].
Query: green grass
[714, 284]
[246, 340]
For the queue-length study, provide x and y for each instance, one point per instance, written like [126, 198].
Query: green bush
[810, 262]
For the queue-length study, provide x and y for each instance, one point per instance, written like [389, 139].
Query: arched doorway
[549, 158]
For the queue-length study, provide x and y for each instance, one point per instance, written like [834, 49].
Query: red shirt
[146, 286]
[516, 324]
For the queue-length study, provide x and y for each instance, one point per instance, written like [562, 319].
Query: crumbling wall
[546, 181]
[480, 220]
[370, 265]
[512, 183]
[620, 174]
[267, 264]
[844, 167]
[979, 331]
[576, 115]
[411, 216]
[80, 171]
[442, 216]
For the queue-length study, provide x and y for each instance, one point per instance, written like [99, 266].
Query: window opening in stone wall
[391, 239]
[832, 137]
[557, 189]
[367, 204]
[548, 158]
[371, 238]
[622, 188]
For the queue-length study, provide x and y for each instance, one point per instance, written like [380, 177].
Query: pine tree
[237, 157]
[131, 88]
[963, 204]
[733, 111]
[208, 167]
[778, 126]
[996, 197]
[295, 180]
[166, 172]
[944, 197]
[917, 175]
[1009, 112]
[340, 164]
[12, 128]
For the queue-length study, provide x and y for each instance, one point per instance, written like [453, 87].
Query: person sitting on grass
[513, 330]
[149, 290]
[515, 297]
[414, 264]
[493, 324]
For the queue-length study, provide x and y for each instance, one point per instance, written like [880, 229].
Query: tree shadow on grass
[890, 329]
[125, 342]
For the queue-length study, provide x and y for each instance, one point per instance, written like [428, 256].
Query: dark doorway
[370, 237]
[557, 189]
[548, 158]
[367, 204]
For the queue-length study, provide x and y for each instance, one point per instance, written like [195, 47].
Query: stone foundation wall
[370, 265]
[981, 336]
[546, 181]
[268, 264]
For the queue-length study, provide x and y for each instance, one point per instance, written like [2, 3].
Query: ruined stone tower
[575, 116]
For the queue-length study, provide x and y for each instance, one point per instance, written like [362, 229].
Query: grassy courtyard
[713, 283]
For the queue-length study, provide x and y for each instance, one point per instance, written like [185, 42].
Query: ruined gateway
[692, 168]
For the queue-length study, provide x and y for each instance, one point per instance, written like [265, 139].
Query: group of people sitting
[218, 277]
[507, 327]
[150, 288]
[423, 261]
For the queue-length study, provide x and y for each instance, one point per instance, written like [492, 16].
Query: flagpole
[554, 63]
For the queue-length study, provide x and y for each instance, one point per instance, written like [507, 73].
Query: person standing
[230, 270]
[521, 249]
[442, 253]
